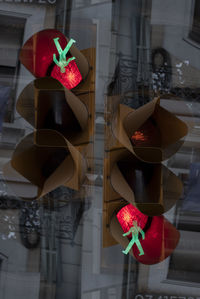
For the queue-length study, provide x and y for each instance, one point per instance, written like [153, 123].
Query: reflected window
[7, 74]
[185, 261]
[11, 36]
[194, 33]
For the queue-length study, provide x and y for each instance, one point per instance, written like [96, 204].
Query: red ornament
[128, 214]
[37, 56]
[160, 241]
[161, 237]
[71, 78]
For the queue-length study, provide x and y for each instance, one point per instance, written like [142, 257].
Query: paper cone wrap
[55, 107]
[171, 131]
[47, 160]
[151, 187]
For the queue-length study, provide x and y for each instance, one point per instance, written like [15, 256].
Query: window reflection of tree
[29, 223]
[161, 70]
[8, 218]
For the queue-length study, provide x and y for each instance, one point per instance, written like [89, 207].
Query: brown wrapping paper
[54, 107]
[87, 85]
[47, 160]
[162, 141]
[152, 188]
[81, 60]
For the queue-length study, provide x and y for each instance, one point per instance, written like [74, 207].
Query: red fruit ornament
[37, 56]
[161, 237]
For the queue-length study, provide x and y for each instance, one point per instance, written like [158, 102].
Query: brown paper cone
[18, 185]
[81, 61]
[56, 108]
[26, 104]
[47, 160]
[87, 85]
[164, 131]
[152, 188]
